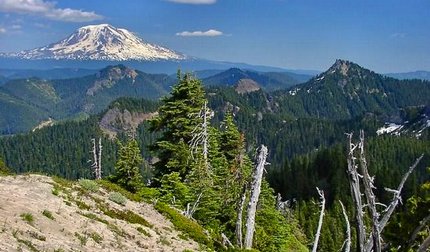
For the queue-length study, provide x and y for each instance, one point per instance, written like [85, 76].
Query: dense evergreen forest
[206, 157]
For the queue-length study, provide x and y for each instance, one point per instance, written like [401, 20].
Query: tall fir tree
[128, 166]
[176, 121]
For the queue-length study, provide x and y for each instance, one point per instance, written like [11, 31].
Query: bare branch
[347, 242]
[226, 241]
[320, 221]
[425, 245]
[396, 196]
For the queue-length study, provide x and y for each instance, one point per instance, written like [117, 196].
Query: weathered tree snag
[201, 136]
[347, 242]
[320, 221]
[425, 245]
[255, 193]
[97, 160]
[370, 196]
[422, 224]
[99, 168]
[190, 211]
[354, 182]
[374, 241]
[238, 231]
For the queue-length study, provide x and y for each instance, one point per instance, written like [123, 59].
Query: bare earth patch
[70, 219]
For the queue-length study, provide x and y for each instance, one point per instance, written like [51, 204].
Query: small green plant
[55, 191]
[82, 205]
[96, 237]
[62, 182]
[48, 214]
[89, 185]
[117, 198]
[94, 217]
[36, 235]
[143, 231]
[163, 240]
[27, 217]
[111, 187]
[82, 238]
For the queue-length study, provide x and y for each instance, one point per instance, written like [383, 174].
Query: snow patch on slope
[389, 128]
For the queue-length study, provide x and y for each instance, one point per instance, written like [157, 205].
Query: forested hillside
[200, 149]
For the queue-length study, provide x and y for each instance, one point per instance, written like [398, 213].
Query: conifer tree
[127, 167]
[176, 121]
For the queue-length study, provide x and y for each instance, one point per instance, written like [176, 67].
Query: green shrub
[182, 223]
[89, 185]
[94, 217]
[111, 187]
[143, 231]
[117, 198]
[127, 215]
[27, 217]
[48, 214]
[96, 237]
[82, 238]
[4, 170]
[62, 182]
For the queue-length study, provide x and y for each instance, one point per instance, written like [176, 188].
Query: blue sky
[383, 35]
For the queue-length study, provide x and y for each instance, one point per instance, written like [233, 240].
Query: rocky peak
[341, 66]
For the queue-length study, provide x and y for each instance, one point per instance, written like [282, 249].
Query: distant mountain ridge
[422, 75]
[347, 90]
[269, 81]
[101, 42]
[24, 103]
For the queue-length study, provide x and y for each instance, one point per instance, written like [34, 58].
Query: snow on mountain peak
[102, 42]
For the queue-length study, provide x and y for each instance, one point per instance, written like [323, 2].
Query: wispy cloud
[398, 35]
[208, 33]
[193, 1]
[48, 10]
[2, 30]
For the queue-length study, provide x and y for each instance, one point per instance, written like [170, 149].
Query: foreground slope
[44, 214]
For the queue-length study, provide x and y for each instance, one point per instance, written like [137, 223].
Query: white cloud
[16, 26]
[193, 1]
[48, 10]
[208, 33]
[2, 30]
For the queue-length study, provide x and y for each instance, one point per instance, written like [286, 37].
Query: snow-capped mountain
[101, 42]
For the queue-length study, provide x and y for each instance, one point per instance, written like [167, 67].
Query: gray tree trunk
[320, 221]
[238, 231]
[354, 182]
[255, 193]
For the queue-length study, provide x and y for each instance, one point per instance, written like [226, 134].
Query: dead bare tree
[191, 210]
[97, 158]
[255, 193]
[320, 221]
[201, 136]
[372, 241]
